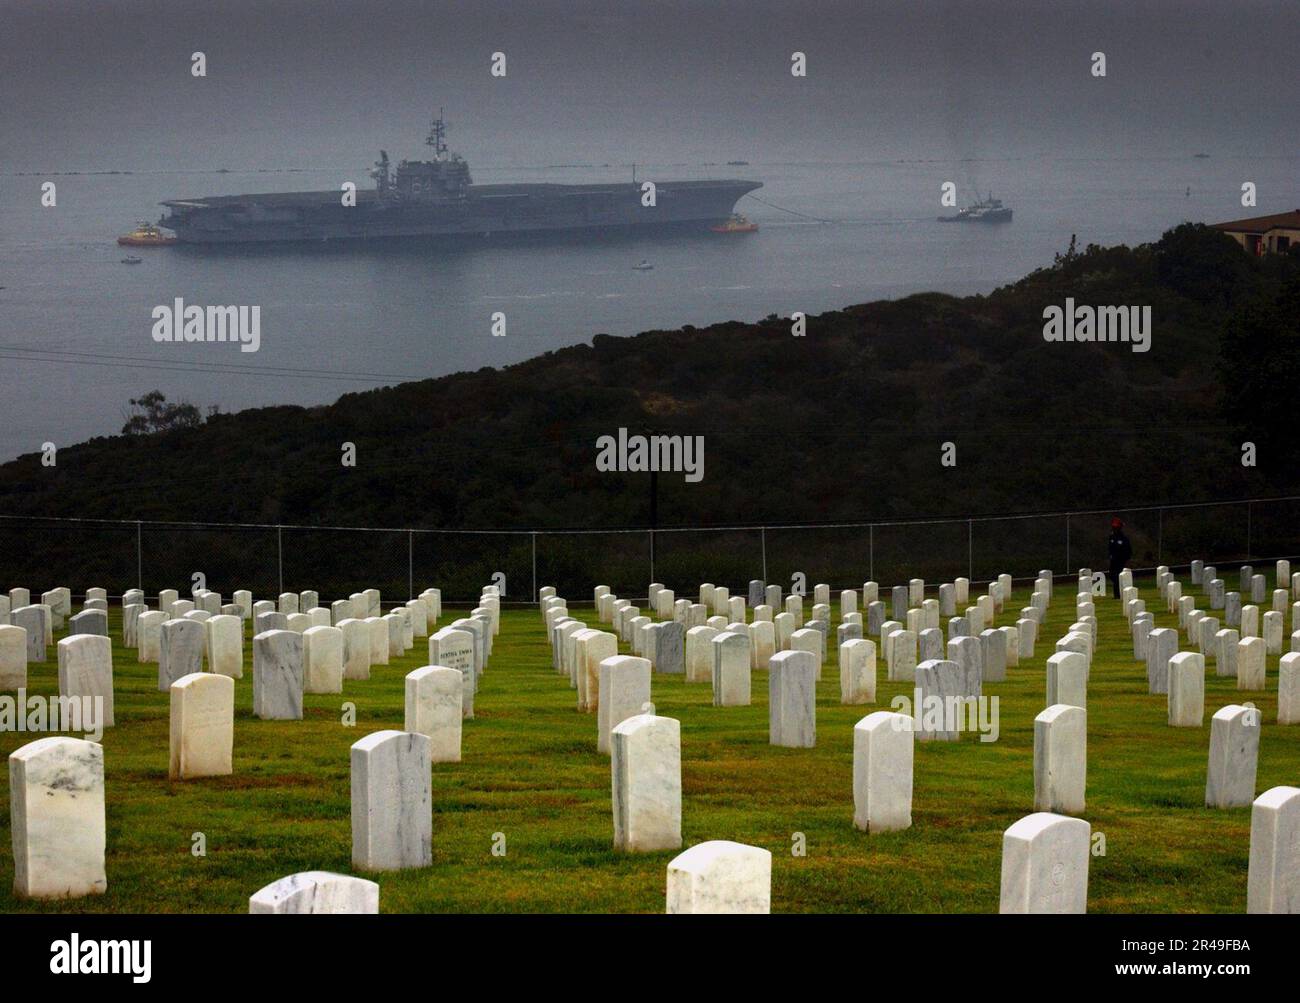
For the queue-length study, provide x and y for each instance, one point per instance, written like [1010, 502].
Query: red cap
[1116, 523]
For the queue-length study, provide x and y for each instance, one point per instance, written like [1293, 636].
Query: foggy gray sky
[96, 86]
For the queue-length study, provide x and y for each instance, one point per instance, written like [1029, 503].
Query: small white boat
[643, 266]
[131, 259]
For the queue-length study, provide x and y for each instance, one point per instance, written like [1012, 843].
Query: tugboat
[131, 259]
[642, 266]
[987, 210]
[145, 235]
[736, 223]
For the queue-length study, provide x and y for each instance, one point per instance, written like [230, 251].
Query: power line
[792, 212]
[214, 368]
[237, 365]
[703, 528]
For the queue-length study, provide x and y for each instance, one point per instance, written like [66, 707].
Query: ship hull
[484, 211]
[993, 216]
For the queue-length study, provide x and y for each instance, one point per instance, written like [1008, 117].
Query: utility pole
[654, 506]
[654, 517]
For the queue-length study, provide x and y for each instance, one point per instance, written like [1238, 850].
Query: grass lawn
[530, 770]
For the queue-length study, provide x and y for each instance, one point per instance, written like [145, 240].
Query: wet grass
[531, 772]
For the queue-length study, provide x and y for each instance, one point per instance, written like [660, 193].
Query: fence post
[534, 567]
[139, 558]
[279, 554]
[762, 532]
[1067, 544]
[652, 557]
[1250, 509]
[871, 551]
[970, 550]
[410, 564]
[1160, 535]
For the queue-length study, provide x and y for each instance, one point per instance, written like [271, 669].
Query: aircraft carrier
[437, 198]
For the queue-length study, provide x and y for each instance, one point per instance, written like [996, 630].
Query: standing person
[1120, 551]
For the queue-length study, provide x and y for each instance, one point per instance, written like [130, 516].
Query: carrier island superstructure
[437, 198]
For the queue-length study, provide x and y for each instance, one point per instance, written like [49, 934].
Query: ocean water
[75, 323]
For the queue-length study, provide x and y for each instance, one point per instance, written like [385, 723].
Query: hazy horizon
[302, 84]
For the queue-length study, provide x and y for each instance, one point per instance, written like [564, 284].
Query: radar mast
[437, 136]
[380, 173]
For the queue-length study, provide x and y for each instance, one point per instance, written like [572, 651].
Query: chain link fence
[41, 553]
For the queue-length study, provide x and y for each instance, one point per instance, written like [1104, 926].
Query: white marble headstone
[56, 803]
[86, 672]
[731, 669]
[322, 660]
[224, 636]
[858, 671]
[278, 675]
[1060, 759]
[646, 772]
[1045, 865]
[202, 731]
[433, 709]
[392, 809]
[719, 877]
[1187, 690]
[625, 691]
[792, 699]
[13, 657]
[1273, 880]
[882, 772]
[316, 893]
[1234, 755]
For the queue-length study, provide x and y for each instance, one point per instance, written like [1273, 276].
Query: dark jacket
[1120, 549]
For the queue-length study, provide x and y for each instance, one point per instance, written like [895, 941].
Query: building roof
[1261, 224]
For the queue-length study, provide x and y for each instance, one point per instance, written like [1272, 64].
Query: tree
[1258, 363]
[1071, 252]
[1205, 265]
[152, 413]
